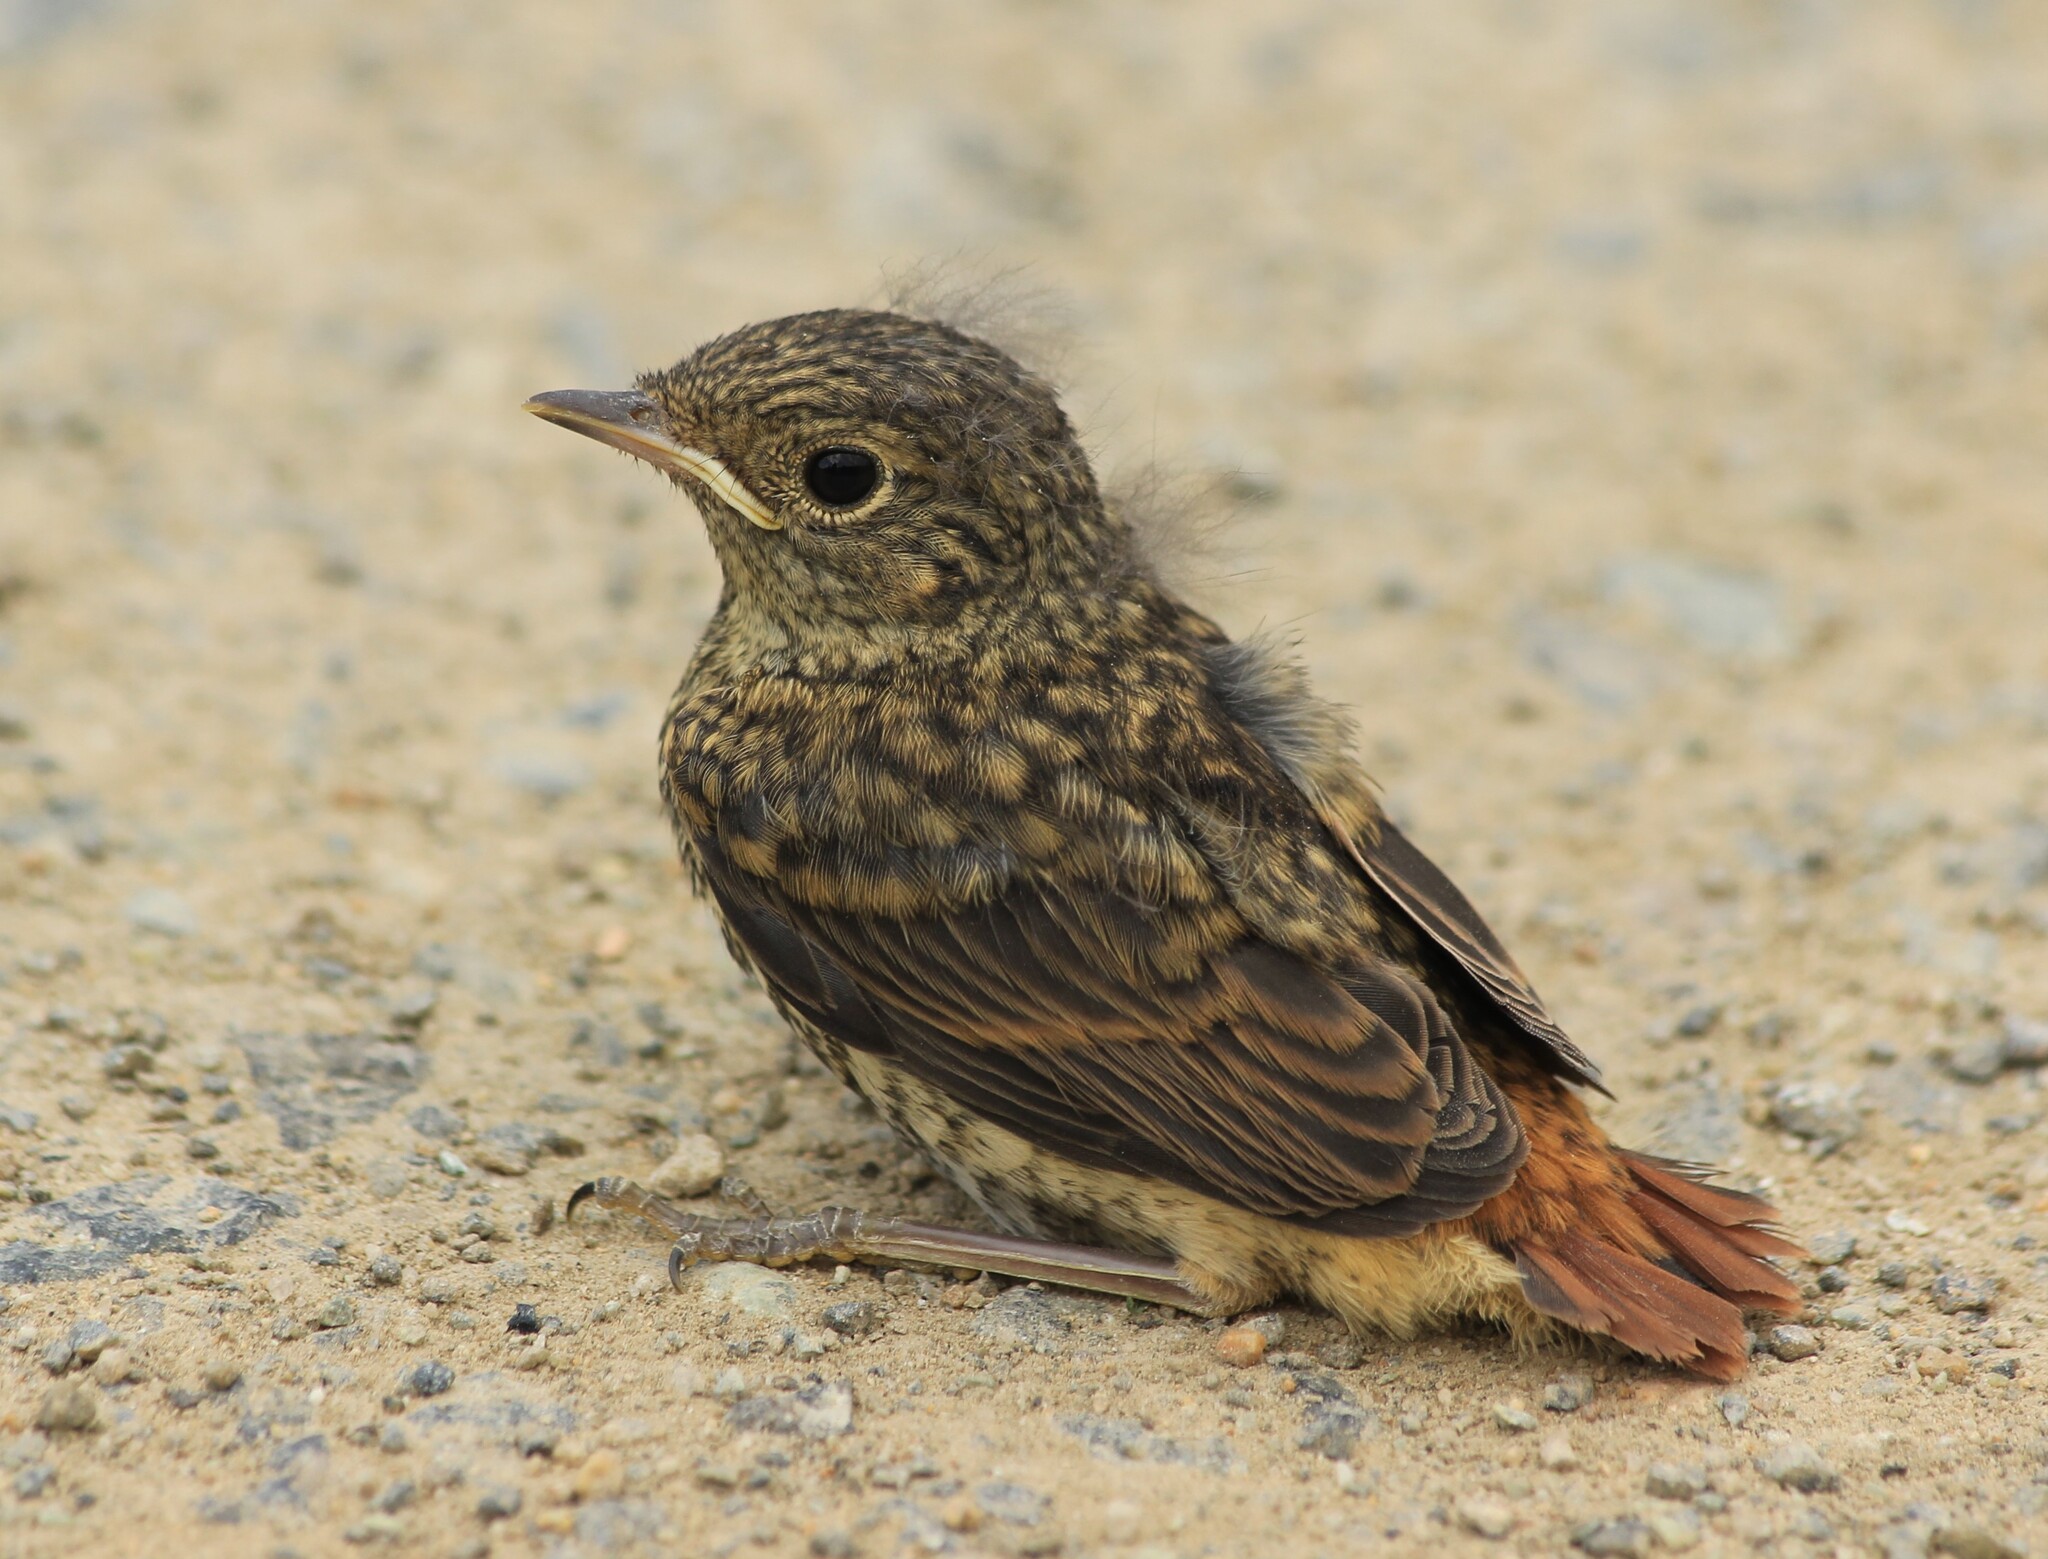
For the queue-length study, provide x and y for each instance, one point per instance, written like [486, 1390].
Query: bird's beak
[629, 420]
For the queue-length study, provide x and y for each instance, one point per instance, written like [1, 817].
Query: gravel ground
[1636, 409]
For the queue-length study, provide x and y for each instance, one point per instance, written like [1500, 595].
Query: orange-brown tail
[1685, 1307]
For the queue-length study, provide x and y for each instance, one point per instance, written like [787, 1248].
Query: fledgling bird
[1092, 902]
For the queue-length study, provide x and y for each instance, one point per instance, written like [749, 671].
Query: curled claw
[584, 1193]
[682, 1254]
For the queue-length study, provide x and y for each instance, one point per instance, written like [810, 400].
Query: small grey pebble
[1567, 1394]
[226, 1112]
[34, 1480]
[537, 1440]
[201, 1147]
[78, 1106]
[68, 1406]
[57, 1356]
[1965, 1540]
[1341, 1353]
[1672, 1480]
[1626, 1538]
[1699, 1020]
[1977, 1062]
[499, 1504]
[429, 1379]
[1894, 1274]
[1734, 1409]
[1792, 1464]
[412, 1007]
[392, 1439]
[1850, 1318]
[338, 1312]
[1813, 1526]
[834, 1545]
[1956, 1292]
[1792, 1342]
[1831, 1280]
[396, 1496]
[854, 1318]
[89, 1339]
[2025, 1042]
[126, 1061]
[1831, 1248]
[525, 1321]
[386, 1271]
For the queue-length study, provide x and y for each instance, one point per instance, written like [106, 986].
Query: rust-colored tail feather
[1690, 1313]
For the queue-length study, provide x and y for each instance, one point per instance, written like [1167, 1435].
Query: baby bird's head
[866, 471]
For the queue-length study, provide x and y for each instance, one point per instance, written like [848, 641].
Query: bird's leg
[845, 1234]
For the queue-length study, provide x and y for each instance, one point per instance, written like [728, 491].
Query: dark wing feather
[1430, 899]
[1345, 1103]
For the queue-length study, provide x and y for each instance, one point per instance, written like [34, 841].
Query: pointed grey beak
[629, 420]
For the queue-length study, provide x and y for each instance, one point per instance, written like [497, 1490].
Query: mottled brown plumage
[1092, 902]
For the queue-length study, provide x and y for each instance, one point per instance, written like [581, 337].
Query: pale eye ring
[841, 476]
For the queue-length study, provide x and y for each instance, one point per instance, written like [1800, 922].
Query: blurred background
[1635, 407]
[1594, 382]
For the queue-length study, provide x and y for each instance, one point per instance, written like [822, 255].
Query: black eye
[840, 477]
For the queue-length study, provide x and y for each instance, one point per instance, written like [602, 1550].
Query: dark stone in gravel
[1910, 1094]
[1126, 1439]
[1699, 1021]
[1831, 1247]
[1831, 1280]
[144, 1216]
[1894, 1274]
[499, 1504]
[412, 1007]
[1969, 1541]
[1955, 1292]
[1792, 1342]
[818, 1411]
[1792, 1464]
[1671, 1480]
[1818, 1112]
[89, 1339]
[1333, 1429]
[315, 1084]
[1012, 1502]
[430, 1379]
[34, 1480]
[394, 1497]
[434, 1123]
[1626, 1538]
[854, 1318]
[1700, 1121]
[1977, 1062]
[1567, 1394]
[525, 1320]
[1341, 1353]
[2025, 1042]
[386, 1271]
[1022, 1318]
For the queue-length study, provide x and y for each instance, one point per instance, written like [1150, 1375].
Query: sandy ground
[1638, 411]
